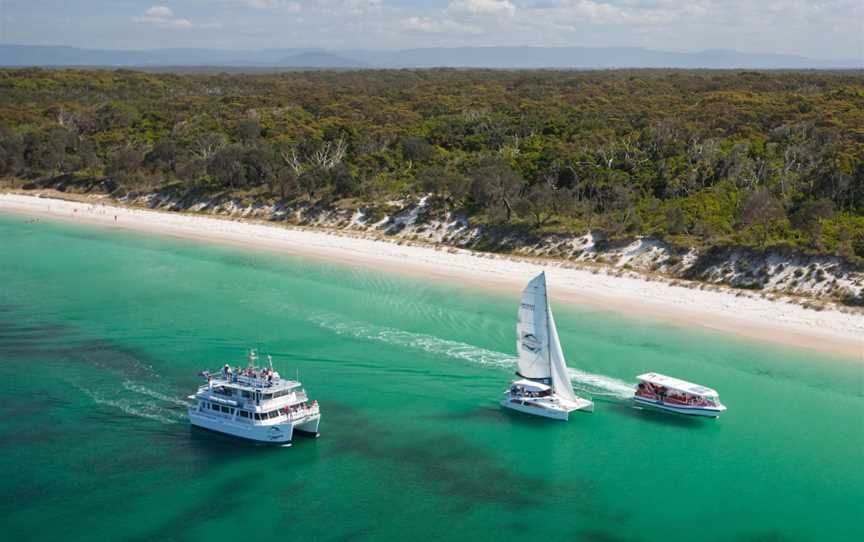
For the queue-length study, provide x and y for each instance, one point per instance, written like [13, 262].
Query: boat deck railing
[216, 378]
[303, 413]
[290, 416]
[249, 404]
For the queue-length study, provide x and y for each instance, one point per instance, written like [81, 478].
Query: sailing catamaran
[544, 387]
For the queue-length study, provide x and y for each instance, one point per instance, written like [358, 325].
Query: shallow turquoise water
[102, 333]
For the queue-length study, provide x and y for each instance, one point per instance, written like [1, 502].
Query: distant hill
[29, 55]
[462, 57]
[586, 58]
[316, 59]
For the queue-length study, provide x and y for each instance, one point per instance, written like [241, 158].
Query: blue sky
[814, 28]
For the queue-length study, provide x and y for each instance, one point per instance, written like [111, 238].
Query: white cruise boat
[679, 396]
[254, 404]
[544, 388]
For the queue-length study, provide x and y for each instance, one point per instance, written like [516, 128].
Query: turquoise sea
[102, 334]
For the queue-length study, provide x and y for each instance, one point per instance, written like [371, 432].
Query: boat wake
[143, 390]
[600, 385]
[594, 384]
[154, 406]
[417, 341]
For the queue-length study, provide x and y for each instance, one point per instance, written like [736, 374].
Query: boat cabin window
[274, 414]
[244, 414]
[531, 392]
[227, 392]
[268, 396]
[246, 394]
[226, 409]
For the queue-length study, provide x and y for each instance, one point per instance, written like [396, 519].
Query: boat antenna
[270, 361]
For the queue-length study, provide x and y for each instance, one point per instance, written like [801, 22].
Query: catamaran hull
[281, 434]
[543, 412]
[308, 427]
[527, 407]
[685, 410]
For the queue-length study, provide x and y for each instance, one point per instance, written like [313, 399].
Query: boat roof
[255, 384]
[531, 384]
[677, 384]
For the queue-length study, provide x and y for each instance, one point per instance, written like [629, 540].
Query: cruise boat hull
[705, 412]
[281, 434]
[546, 409]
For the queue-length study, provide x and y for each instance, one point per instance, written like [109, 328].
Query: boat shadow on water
[491, 413]
[495, 413]
[656, 416]
[214, 443]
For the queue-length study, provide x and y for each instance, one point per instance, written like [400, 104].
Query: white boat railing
[284, 416]
[303, 413]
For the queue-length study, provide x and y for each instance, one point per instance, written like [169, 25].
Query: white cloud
[159, 12]
[288, 6]
[463, 17]
[350, 7]
[438, 26]
[498, 8]
[817, 28]
[162, 17]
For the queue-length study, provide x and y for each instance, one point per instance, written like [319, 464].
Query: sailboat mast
[548, 348]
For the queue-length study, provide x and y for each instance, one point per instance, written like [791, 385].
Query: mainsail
[532, 331]
[540, 354]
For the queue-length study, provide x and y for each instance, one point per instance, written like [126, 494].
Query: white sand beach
[752, 317]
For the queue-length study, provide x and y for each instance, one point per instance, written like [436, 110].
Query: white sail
[558, 367]
[532, 331]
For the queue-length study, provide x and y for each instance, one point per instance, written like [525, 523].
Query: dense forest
[698, 158]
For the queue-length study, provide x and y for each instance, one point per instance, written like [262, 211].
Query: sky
[814, 28]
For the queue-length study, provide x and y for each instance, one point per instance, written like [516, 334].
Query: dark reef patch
[596, 535]
[446, 463]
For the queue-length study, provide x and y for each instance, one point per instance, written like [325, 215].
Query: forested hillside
[698, 158]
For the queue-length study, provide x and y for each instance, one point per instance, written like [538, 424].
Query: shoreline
[770, 321]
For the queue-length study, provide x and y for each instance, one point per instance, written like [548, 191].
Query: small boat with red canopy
[679, 396]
